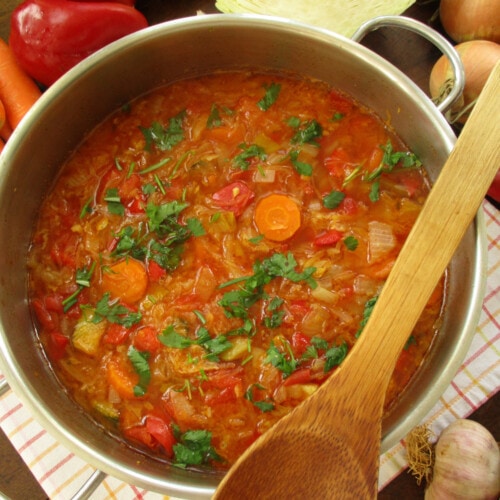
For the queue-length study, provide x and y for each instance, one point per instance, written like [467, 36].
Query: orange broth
[208, 255]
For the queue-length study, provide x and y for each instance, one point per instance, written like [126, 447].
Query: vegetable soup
[211, 252]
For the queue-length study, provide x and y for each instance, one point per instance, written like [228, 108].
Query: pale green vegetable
[340, 16]
[87, 335]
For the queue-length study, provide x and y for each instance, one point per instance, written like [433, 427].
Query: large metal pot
[136, 64]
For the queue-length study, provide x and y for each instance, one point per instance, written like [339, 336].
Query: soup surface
[210, 253]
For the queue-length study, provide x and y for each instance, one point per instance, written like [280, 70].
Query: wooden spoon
[329, 446]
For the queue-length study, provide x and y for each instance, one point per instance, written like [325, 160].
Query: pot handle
[431, 35]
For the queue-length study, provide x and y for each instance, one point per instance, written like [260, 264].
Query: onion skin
[465, 20]
[467, 464]
[478, 57]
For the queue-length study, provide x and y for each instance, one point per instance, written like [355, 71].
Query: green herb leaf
[301, 167]
[286, 364]
[369, 305]
[115, 313]
[242, 161]
[112, 198]
[334, 356]
[140, 363]
[308, 132]
[263, 406]
[214, 119]
[272, 92]
[375, 191]
[276, 317]
[194, 448]
[82, 279]
[351, 243]
[164, 138]
[333, 199]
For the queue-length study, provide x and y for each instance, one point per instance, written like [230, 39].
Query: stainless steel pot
[133, 66]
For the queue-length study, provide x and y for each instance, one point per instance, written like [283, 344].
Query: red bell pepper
[49, 37]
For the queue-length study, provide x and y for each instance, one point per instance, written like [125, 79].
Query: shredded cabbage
[341, 16]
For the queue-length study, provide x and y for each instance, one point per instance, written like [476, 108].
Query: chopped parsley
[369, 305]
[263, 406]
[214, 119]
[272, 92]
[165, 236]
[237, 302]
[285, 362]
[275, 318]
[164, 138]
[115, 312]
[334, 355]
[301, 167]
[82, 279]
[242, 161]
[333, 199]
[193, 448]
[213, 345]
[307, 132]
[112, 198]
[140, 363]
[351, 243]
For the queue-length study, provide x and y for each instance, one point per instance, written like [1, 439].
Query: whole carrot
[18, 91]
[5, 129]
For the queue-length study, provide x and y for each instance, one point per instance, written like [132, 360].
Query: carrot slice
[122, 380]
[277, 217]
[126, 280]
[18, 91]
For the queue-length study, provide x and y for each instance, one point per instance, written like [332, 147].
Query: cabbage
[341, 16]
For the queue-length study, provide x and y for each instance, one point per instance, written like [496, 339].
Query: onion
[478, 57]
[466, 464]
[465, 20]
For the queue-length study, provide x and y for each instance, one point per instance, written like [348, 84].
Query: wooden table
[412, 55]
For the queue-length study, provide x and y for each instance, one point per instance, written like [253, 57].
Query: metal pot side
[134, 65]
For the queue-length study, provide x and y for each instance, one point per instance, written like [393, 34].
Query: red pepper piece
[49, 37]
[328, 238]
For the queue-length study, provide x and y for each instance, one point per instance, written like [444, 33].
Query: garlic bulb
[467, 464]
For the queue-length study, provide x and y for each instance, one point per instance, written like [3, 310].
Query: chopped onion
[324, 295]
[264, 175]
[381, 240]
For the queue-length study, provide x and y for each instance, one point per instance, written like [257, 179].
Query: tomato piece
[217, 397]
[162, 432]
[54, 302]
[338, 163]
[300, 343]
[140, 434]
[155, 271]
[57, 343]
[328, 238]
[222, 379]
[146, 339]
[348, 206]
[234, 197]
[302, 376]
[64, 249]
[115, 334]
[131, 194]
[45, 318]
